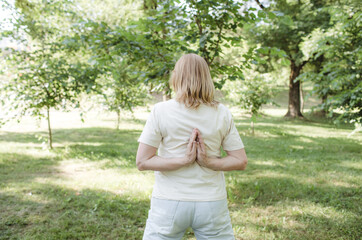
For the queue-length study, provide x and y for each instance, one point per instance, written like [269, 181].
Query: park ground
[303, 179]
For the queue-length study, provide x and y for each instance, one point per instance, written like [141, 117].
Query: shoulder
[225, 114]
[165, 104]
[223, 109]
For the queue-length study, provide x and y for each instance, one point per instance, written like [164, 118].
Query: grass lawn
[303, 180]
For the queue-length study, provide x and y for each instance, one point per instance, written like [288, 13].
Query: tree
[250, 94]
[42, 76]
[339, 56]
[213, 27]
[42, 81]
[167, 29]
[120, 91]
[295, 21]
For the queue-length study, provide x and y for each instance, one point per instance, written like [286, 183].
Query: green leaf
[285, 62]
[261, 14]
[271, 15]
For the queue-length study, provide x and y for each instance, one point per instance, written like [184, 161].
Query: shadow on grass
[267, 192]
[281, 168]
[314, 227]
[278, 140]
[115, 155]
[96, 135]
[79, 135]
[308, 121]
[118, 147]
[61, 213]
[15, 167]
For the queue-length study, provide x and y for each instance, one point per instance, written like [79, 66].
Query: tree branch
[259, 3]
[217, 42]
[304, 63]
[199, 25]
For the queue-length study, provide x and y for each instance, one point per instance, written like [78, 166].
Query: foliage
[117, 50]
[250, 94]
[121, 91]
[339, 52]
[286, 30]
[293, 21]
[107, 50]
[204, 27]
[44, 79]
[255, 93]
[42, 76]
[167, 29]
[112, 12]
[158, 42]
[215, 26]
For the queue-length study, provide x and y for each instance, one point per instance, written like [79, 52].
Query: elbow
[140, 165]
[243, 163]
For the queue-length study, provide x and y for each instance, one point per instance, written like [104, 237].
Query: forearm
[228, 163]
[157, 163]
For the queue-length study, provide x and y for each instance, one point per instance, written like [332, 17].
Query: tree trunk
[252, 127]
[324, 99]
[319, 64]
[301, 98]
[50, 138]
[294, 92]
[118, 118]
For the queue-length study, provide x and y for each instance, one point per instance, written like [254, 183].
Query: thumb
[194, 146]
[198, 147]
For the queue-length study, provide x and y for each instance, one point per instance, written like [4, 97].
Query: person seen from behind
[181, 142]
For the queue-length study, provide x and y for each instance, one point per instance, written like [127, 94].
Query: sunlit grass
[303, 180]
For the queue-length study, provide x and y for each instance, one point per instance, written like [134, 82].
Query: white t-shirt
[169, 128]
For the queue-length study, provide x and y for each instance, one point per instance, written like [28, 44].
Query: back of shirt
[169, 128]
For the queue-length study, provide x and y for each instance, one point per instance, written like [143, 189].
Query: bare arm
[235, 160]
[148, 160]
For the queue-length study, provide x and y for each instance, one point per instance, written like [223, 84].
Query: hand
[190, 156]
[201, 156]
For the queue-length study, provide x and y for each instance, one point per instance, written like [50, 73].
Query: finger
[197, 134]
[193, 135]
[194, 146]
[189, 146]
[192, 139]
[201, 141]
[202, 147]
[199, 150]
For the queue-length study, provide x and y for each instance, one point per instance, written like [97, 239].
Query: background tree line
[119, 51]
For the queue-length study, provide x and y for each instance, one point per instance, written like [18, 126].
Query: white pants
[169, 219]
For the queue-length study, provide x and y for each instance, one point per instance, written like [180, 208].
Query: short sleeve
[232, 140]
[151, 134]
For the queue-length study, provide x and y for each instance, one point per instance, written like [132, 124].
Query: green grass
[303, 180]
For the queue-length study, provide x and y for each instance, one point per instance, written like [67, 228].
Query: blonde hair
[192, 83]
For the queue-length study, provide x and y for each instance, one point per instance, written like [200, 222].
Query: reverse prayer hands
[191, 152]
[196, 150]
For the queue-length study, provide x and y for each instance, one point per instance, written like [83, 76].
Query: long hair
[192, 83]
